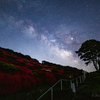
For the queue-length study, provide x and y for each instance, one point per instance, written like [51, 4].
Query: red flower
[25, 71]
[10, 84]
[5, 60]
[28, 82]
[76, 74]
[38, 81]
[50, 77]
[29, 64]
[60, 72]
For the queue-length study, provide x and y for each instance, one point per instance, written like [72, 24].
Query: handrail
[51, 88]
[48, 90]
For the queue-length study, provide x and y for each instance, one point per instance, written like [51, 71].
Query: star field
[50, 30]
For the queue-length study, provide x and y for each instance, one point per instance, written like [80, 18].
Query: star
[49, 30]
[72, 38]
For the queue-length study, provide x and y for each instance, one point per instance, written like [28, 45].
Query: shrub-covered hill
[20, 72]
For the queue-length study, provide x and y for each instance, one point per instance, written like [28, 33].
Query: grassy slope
[92, 89]
[93, 79]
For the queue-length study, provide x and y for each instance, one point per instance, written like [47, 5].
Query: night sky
[50, 30]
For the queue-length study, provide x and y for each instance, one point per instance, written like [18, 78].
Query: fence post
[73, 89]
[71, 84]
[76, 83]
[51, 93]
[80, 80]
[83, 78]
[84, 73]
[61, 84]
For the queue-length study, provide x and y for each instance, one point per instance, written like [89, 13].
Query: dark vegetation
[94, 82]
[20, 73]
[90, 53]
[25, 76]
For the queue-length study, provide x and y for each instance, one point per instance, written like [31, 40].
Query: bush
[50, 78]
[38, 81]
[25, 71]
[28, 57]
[28, 82]
[35, 60]
[9, 83]
[6, 67]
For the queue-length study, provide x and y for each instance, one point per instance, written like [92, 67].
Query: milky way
[50, 30]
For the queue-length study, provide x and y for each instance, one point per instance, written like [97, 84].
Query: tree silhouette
[90, 53]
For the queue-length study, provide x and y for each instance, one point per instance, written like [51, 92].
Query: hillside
[20, 72]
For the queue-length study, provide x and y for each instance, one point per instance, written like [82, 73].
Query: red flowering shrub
[46, 69]
[25, 71]
[9, 84]
[28, 82]
[47, 66]
[60, 72]
[29, 61]
[37, 65]
[20, 60]
[50, 78]
[17, 82]
[5, 60]
[29, 64]
[13, 83]
[75, 74]
[1, 76]
[38, 81]
[5, 53]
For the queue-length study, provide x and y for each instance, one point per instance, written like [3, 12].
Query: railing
[82, 79]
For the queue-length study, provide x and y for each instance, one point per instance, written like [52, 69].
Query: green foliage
[6, 67]
[35, 74]
[54, 70]
[93, 79]
[97, 78]
[1, 53]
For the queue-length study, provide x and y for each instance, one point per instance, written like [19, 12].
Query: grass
[92, 89]
[94, 82]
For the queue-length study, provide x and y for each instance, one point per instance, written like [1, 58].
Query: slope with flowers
[20, 72]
